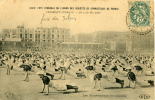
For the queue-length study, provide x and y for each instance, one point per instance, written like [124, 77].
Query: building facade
[39, 37]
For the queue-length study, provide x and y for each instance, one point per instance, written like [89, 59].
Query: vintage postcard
[77, 50]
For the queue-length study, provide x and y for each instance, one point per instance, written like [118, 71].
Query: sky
[16, 12]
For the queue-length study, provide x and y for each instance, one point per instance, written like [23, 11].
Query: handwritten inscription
[67, 17]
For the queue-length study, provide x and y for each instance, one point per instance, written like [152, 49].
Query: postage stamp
[139, 17]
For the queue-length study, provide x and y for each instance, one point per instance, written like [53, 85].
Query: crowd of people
[79, 64]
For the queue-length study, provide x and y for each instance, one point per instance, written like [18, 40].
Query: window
[30, 35]
[25, 35]
[52, 41]
[38, 35]
[44, 36]
[52, 36]
[20, 35]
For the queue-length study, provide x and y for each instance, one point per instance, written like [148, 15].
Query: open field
[12, 87]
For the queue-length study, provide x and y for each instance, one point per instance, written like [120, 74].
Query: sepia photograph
[77, 50]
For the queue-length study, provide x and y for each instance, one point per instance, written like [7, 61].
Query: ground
[12, 87]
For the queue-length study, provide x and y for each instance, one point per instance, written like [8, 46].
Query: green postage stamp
[140, 17]
[140, 13]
